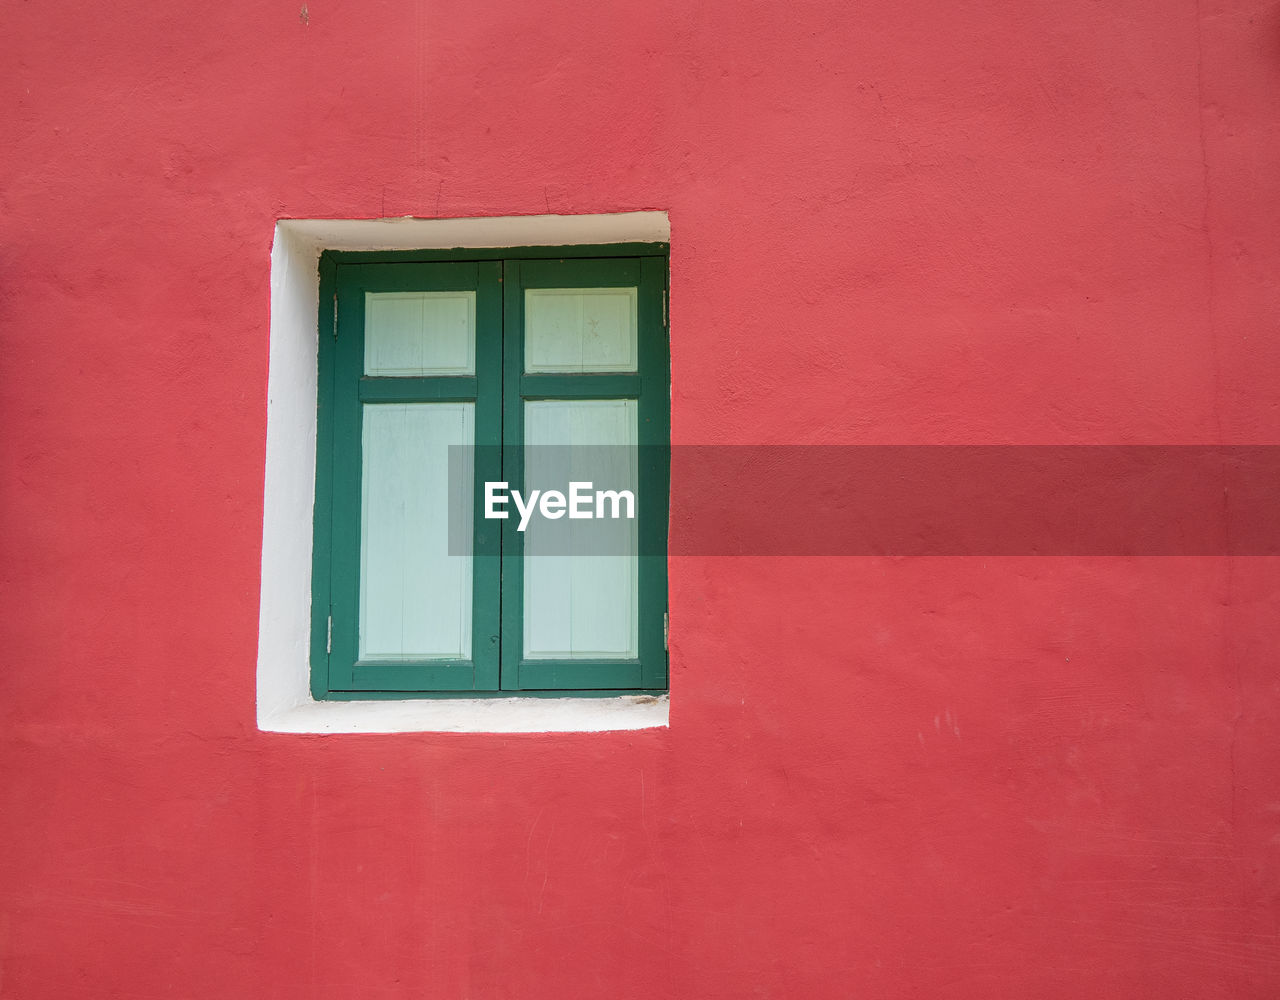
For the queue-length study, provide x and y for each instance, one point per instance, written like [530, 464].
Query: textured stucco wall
[977, 222]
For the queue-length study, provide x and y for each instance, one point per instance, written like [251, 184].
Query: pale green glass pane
[579, 604]
[419, 333]
[415, 598]
[580, 330]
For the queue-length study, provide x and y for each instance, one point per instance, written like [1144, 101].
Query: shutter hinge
[666, 305]
[666, 630]
[328, 640]
[335, 315]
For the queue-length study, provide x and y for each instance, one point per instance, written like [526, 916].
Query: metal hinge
[328, 640]
[335, 315]
[666, 630]
[666, 305]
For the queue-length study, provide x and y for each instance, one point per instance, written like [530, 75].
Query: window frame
[497, 596]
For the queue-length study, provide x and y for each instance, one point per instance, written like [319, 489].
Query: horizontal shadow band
[923, 500]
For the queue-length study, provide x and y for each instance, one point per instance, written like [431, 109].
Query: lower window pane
[581, 583]
[415, 598]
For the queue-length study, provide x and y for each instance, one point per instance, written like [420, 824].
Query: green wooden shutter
[629, 383]
[351, 403]
[646, 386]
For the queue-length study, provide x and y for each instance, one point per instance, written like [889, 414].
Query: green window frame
[499, 390]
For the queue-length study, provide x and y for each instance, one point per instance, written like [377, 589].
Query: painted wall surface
[973, 222]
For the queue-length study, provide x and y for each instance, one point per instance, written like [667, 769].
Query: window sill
[472, 715]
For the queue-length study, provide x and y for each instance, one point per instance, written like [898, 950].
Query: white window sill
[472, 715]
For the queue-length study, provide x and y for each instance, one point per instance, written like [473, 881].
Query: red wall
[975, 222]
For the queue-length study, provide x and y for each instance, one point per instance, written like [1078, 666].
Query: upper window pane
[420, 333]
[580, 330]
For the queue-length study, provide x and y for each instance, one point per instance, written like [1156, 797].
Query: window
[519, 366]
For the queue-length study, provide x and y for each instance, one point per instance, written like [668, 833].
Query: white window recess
[284, 702]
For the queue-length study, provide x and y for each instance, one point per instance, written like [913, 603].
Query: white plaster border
[284, 702]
